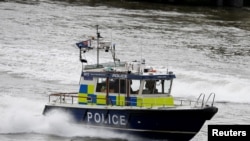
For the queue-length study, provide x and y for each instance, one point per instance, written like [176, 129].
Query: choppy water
[207, 48]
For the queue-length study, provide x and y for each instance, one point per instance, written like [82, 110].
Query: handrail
[202, 102]
[62, 98]
[209, 98]
[58, 94]
[64, 95]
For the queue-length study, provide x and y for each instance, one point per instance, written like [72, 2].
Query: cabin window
[120, 86]
[134, 86]
[156, 87]
[101, 85]
[117, 86]
[163, 86]
[113, 85]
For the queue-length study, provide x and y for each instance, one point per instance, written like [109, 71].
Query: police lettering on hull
[111, 119]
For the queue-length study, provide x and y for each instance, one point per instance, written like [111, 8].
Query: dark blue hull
[170, 124]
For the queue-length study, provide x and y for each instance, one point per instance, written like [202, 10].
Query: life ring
[152, 70]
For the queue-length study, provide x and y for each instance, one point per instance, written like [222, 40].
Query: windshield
[157, 87]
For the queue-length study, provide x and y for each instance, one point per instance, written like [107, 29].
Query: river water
[207, 48]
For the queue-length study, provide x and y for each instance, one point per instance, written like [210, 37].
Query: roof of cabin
[127, 75]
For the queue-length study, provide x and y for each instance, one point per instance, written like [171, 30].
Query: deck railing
[200, 101]
[72, 98]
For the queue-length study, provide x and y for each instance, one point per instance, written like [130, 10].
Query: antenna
[142, 62]
[97, 46]
[141, 52]
[112, 45]
[167, 59]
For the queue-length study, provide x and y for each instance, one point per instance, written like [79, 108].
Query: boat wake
[20, 116]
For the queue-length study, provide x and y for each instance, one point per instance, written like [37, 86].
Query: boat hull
[169, 123]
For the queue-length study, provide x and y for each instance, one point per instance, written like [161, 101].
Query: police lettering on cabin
[101, 118]
[119, 75]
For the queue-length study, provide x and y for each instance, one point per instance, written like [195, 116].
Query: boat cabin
[123, 86]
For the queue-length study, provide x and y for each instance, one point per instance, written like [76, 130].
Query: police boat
[131, 98]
